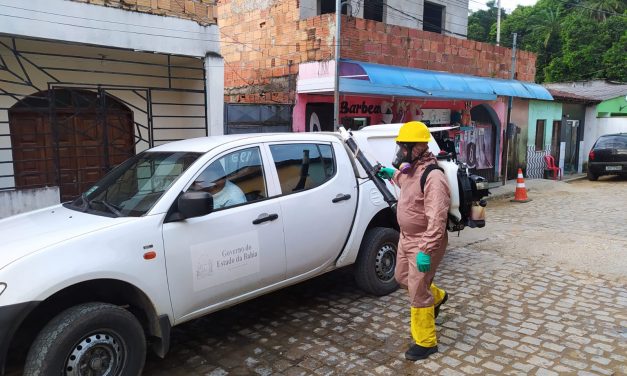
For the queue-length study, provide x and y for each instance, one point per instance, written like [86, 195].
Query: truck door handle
[265, 218]
[341, 197]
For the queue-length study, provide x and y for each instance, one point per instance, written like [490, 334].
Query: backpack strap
[425, 175]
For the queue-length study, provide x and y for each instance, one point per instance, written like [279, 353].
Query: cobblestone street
[541, 291]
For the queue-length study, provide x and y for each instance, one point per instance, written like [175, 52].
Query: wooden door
[33, 157]
[82, 152]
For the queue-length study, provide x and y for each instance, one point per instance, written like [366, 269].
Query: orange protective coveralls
[422, 219]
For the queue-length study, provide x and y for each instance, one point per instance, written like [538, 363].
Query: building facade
[84, 86]
[397, 62]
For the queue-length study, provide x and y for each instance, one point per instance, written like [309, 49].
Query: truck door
[234, 250]
[318, 201]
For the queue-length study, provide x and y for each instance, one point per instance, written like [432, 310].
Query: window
[132, 188]
[612, 142]
[373, 10]
[302, 166]
[233, 179]
[540, 135]
[328, 6]
[433, 18]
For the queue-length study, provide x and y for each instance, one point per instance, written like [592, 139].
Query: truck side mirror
[194, 204]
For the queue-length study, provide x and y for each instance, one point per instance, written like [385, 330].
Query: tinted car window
[233, 179]
[303, 166]
[612, 142]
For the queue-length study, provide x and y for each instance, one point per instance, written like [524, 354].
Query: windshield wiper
[112, 208]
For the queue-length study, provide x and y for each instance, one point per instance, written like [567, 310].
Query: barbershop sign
[362, 108]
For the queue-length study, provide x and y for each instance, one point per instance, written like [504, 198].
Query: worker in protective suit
[422, 217]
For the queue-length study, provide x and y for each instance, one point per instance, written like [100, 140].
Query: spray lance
[371, 170]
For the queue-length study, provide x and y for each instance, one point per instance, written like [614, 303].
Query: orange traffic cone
[521, 191]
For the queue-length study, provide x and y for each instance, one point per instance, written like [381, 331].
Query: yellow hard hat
[413, 131]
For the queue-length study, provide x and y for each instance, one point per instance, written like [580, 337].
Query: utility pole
[508, 129]
[498, 23]
[336, 88]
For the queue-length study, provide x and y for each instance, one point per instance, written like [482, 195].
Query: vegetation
[574, 39]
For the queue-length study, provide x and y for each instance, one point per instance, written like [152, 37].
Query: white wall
[16, 202]
[596, 127]
[75, 22]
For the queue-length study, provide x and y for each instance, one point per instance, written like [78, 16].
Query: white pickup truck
[183, 230]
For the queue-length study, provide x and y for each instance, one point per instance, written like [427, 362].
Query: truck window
[303, 166]
[233, 179]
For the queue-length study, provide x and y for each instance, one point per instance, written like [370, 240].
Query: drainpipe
[336, 88]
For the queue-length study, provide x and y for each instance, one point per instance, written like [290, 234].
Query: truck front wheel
[89, 339]
[374, 269]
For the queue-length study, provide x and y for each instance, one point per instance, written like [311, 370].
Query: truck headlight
[3, 286]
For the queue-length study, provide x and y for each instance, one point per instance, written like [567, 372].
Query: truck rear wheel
[374, 269]
[89, 339]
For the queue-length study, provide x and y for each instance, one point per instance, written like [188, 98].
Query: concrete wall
[74, 22]
[615, 106]
[201, 11]
[21, 201]
[406, 13]
[596, 127]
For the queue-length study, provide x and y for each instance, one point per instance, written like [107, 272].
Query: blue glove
[423, 261]
[386, 173]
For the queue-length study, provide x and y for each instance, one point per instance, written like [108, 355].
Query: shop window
[540, 135]
[433, 18]
[328, 6]
[373, 10]
[302, 166]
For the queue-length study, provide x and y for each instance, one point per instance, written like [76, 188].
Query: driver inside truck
[214, 181]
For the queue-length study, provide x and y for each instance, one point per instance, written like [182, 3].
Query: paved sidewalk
[500, 191]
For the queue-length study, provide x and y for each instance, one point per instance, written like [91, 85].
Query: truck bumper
[11, 317]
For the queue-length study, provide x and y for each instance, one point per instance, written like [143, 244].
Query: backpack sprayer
[467, 190]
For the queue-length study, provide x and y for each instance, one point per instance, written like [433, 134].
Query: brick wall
[263, 41]
[201, 11]
[375, 42]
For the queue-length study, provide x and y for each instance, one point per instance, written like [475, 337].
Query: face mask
[403, 162]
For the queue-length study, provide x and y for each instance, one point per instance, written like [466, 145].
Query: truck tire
[92, 338]
[374, 269]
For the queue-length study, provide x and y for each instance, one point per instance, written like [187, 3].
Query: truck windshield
[132, 188]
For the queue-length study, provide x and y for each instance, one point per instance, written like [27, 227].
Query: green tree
[615, 61]
[481, 21]
[603, 9]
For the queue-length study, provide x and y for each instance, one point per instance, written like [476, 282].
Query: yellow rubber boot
[423, 333]
[439, 297]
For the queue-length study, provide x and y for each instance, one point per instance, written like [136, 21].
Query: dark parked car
[608, 156]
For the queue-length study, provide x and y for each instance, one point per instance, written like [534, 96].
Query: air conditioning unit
[573, 123]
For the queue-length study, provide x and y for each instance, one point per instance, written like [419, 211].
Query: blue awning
[375, 79]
